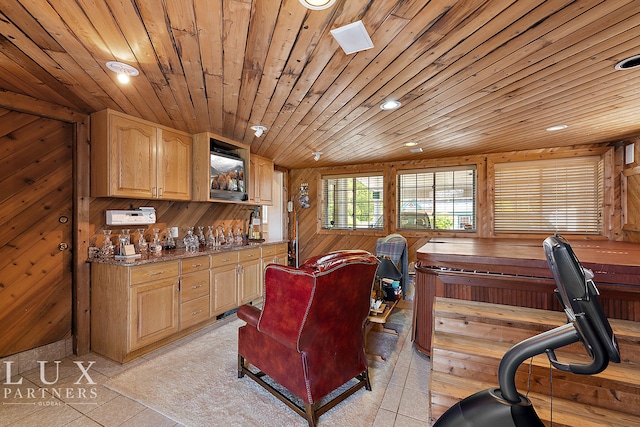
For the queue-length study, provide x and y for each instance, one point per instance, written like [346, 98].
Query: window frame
[324, 207]
[605, 165]
[433, 219]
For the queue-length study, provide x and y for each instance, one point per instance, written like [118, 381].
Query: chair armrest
[249, 314]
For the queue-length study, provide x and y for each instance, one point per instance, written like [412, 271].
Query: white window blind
[440, 198]
[558, 195]
[352, 202]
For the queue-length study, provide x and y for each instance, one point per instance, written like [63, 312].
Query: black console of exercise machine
[586, 323]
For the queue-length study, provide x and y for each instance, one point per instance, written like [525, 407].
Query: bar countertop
[180, 253]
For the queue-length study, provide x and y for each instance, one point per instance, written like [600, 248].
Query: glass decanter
[211, 238]
[156, 244]
[142, 245]
[201, 239]
[106, 250]
[191, 241]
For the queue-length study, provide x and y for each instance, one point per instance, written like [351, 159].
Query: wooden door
[250, 281]
[224, 293]
[154, 311]
[36, 213]
[265, 181]
[132, 162]
[174, 165]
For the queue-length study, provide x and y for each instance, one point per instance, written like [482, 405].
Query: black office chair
[504, 406]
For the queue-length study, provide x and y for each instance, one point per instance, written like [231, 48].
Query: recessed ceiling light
[124, 71]
[557, 127]
[390, 105]
[352, 37]
[628, 63]
[317, 4]
[416, 149]
[410, 144]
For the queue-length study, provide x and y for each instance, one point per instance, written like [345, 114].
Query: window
[352, 202]
[560, 195]
[440, 198]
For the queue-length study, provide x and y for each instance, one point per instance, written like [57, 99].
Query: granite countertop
[180, 253]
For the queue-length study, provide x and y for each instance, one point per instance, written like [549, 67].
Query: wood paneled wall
[631, 189]
[170, 213]
[36, 213]
[314, 241]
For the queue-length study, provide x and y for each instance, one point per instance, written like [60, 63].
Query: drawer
[249, 254]
[194, 311]
[225, 258]
[195, 285]
[154, 271]
[195, 264]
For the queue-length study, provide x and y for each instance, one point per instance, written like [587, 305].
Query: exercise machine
[586, 323]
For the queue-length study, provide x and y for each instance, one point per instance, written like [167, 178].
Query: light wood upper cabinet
[261, 172]
[134, 158]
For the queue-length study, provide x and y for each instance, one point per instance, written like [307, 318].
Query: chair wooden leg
[240, 366]
[367, 382]
[311, 414]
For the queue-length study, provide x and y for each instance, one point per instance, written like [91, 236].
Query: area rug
[197, 383]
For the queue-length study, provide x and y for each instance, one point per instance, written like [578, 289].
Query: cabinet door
[174, 165]
[265, 181]
[154, 312]
[132, 158]
[250, 283]
[224, 293]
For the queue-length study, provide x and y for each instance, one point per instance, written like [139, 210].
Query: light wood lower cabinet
[154, 312]
[132, 307]
[249, 275]
[195, 284]
[224, 282]
[135, 309]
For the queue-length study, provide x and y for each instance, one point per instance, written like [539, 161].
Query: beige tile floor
[64, 402]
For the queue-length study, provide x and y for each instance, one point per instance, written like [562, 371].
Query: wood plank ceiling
[473, 76]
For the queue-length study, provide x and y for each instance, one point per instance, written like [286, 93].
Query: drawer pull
[193, 313]
[155, 273]
[196, 286]
[196, 265]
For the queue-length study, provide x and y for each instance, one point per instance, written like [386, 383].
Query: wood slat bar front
[515, 272]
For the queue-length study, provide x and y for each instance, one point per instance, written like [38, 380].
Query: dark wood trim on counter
[515, 272]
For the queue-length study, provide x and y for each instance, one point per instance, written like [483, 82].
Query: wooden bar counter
[515, 272]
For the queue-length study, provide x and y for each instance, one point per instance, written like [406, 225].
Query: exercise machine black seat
[586, 323]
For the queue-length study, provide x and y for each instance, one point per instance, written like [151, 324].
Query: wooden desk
[515, 272]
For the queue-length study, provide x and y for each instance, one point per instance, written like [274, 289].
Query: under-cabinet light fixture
[317, 4]
[259, 130]
[124, 71]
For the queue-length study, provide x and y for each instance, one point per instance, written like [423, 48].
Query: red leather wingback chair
[309, 335]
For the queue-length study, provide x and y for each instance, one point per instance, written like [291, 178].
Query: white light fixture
[316, 155]
[557, 127]
[259, 130]
[124, 71]
[410, 144]
[416, 149]
[317, 4]
[390, 105]
[352, 37]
